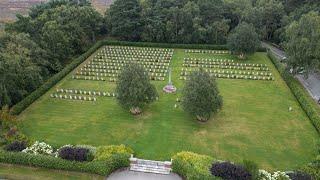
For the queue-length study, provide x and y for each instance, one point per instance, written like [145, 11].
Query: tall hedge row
[103, 168]
[307, 104]
[168, 45]
[22, 105]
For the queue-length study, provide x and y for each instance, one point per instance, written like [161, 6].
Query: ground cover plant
[254, 123]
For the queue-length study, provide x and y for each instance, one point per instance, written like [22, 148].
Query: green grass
[23, 172]
[254, 123]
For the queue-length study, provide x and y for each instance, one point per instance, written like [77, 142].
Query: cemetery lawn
[254, 123]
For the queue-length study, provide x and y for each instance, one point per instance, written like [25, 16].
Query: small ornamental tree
[243, 40]
[200, 96]
[134, 89]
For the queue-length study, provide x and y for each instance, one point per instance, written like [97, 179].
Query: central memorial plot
[107, 63]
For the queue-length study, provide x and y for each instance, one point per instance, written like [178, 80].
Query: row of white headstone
[223, 63]
[117, 70]
[228, 67]
[130, 59]
[73, 97]
[205, 59]
[138, 48]
[92, 78]
[137, 54]
[260, 73]
[94, 73]
[86, 92]
[235, 76]
[207, 51]
[110, 63]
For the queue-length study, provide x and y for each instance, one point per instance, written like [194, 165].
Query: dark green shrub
[298, 175]
[74, 153]
[192, 166]
[307, 104]
[16, 146]
[229, 171]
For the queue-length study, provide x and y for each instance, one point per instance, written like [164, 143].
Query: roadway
[311, 83]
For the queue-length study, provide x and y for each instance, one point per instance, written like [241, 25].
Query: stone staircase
[142, 165]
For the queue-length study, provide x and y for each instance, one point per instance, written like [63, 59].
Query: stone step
[150, 169]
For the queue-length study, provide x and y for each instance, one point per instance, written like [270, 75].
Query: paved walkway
[132, 175]
[312, 83]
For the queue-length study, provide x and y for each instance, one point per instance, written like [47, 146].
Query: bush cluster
[227, 170]
[22, 105]
[298, 175]
[16, 146]
[105, 152]
[75, 153]
[192, 166]
[98, 167]
[307, 104]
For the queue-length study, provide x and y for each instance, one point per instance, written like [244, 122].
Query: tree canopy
[302, 42]
[134, 89]
[243, 40]
[200, 96]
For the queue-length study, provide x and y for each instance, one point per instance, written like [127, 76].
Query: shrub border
[305, 101]
[27, 101]
[103, 168]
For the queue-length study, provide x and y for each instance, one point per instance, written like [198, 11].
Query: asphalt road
[311, 83]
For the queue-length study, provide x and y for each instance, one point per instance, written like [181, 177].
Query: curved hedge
[307, 104]
[103, 168]
[22, 105]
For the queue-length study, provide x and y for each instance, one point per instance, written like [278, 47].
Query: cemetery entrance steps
[149, 166]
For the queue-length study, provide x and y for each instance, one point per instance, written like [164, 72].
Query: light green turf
[24, 172]
[254, 123]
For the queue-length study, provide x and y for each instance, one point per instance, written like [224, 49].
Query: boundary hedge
[168, 45]
[305, 101]
[23, 104]
[103, 168]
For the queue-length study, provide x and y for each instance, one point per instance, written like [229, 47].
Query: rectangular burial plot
[254, 122]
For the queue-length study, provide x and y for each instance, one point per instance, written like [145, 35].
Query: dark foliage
[103, 168]
[297, 175]
[74, 154]
[229, 171]
[16, 146]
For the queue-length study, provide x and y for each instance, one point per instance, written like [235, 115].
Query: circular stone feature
[169, 88]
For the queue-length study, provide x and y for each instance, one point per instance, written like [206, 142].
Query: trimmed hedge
[307, 104]
[103, 168]
[168, 45]
[22, 105]
[192, 166]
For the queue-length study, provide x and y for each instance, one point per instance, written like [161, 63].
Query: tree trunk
[202, 119]
[135, 110]
[241, 56]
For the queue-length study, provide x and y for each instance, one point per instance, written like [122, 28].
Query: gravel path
[131, 175]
